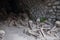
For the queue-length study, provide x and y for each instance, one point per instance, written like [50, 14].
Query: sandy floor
[14, 33]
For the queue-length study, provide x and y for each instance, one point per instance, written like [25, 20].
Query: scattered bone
[42, 29]
[2, 33]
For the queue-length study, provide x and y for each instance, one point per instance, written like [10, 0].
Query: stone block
[49, 4]
[54, 6]
[53, 16]
[58, 11]
[58, 17]
[51, 10]
[58, 23]
[58, 14]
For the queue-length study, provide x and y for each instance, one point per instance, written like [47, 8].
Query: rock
[58, 7]
[2, 33]
[58, 11]
[49, 19]
[57, 2]
[30, 21]
[58, 17]
[58, 14]
[53, 16]
[57, 23]
[38, 20]
[52, 20]
[54, 6]
[51, 10]
[49, 4]
[55, 10]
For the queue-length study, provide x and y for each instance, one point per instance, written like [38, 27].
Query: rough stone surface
[48, 9]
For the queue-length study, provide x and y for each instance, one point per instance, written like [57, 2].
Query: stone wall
[38, 8]
[46, 8]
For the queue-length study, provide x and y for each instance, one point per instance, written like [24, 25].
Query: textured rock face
[40, 8]
[49, 8]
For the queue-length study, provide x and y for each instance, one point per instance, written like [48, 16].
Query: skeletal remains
[43, 29]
